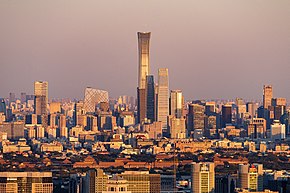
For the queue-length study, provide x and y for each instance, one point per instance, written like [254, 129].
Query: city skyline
[56, 46]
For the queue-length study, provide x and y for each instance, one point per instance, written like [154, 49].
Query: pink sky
[213, 49]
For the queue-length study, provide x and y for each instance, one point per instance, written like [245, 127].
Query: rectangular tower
[176, 103]
[267, 96]
[163, 98]
[203, 178]
[150, 100]
[41, 97]
[143, 71]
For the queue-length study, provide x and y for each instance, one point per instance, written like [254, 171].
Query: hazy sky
[213, 49]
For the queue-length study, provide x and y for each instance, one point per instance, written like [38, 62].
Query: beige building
[96, 181]
[117, 184]
[51, 147]
[142, 181]
[163, 96]
[267, 96]
[34, 182]
[41, 97]
[177, 128]
[203, 178]
[250, 177]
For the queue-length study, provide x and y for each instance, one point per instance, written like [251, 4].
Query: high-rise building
[252, 109]
[267, 96]
[40, 97]
[94, 97]
[257, 128]
[32, 182]
[162, 96]
[96, 181]
[117, 184]
[278, 130]
[143, 71]
[203, 178]
[250, 177]
[142, 181]
[176, 103]
[176, 127]
[226, 115]
[54, 107]
[144, 63]
[3, 106]
[195, 120]
[150, 100]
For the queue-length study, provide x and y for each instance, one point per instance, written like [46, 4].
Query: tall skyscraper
[144, 67]
[3, 106]
[162, 97]
[226, 115]
[250, 177]
[143, 71]
[93, 97]
[176, 103]
[203, 178]
[41, 97]
[195, 120]
[267, 96]
[150, 93]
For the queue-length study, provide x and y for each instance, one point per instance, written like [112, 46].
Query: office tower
[95, 181]
[203, 178]
[117, 184]
[92, 123]
[176, 103]
[52, 120]
[23, 97]
[3, 106]
[41, 97]
[210, 107]
[176, 127]
[14, 130]
[94, 97]
[257, 128]
[150, 100]
[195, 119]
[63, 130]
[54, 107]
[210, 126]
[32, 182]
[40, 132]
[267, 96]
[279, 105]
[226, 115]
[104, 106]
[252, 109]
[143, 54]
[143, 71]
[250, 177]
[162, 96]
[154, 129]
[239, 101]
[78, 110]
[142, 181]
[12, 97]
[126, 119]
[278, 131]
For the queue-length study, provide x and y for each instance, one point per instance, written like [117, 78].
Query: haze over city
[219, 49]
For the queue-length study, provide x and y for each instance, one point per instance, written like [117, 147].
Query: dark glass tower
[150, 92]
